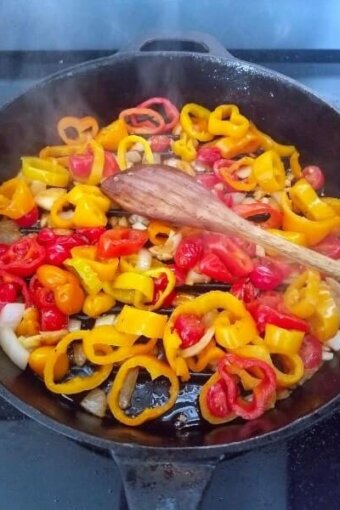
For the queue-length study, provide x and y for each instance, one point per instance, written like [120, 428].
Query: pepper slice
[283, 341]
[135, 122]
[185, 147]
[263, 215]
[120, 241]
[262, 394]
[306, 200]
[267, 143]
[325, 321]
[170, 111]
[213, 401]
[24, 256]
[16, 198]
[159, 232]
[229, 174]
[140, 322]
[86, 128]
[226, 120]
[126, 144]
[156, 369]
[194, 120]
[46, 171]
[302, 295]
[269, 171]
[76, 384]
[264, 313]
[110, 136]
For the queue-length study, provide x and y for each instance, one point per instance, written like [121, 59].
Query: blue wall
[106, 24]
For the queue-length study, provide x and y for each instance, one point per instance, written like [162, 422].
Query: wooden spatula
[164, 193]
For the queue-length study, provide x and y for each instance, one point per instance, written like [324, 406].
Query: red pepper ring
[262, 393]
[18, 283]
[153, 124]
[249, 211]
[120, 241]
[24, 256]
[170, 110]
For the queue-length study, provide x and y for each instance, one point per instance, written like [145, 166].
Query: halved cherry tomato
[24, 256]
[120, 241]
[91, 234]
[208, 155]
[40, 295]
[81, 164]
[263, 215]
[329, 246]
[267, 274]
[52, 319]
[315, 176]
[208, 180]
[236, 261]
[189, 252]
[244, 290]
[29, 219]
[212, 266]
[311, 352]
[190, 329]
[11, 287]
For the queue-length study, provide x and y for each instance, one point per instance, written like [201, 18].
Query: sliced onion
[79, 354]
[334, 343]
[11, 315]
[13, 348]
[199, 346]
[46, 198]
[74, 325]
[95, 402]
[105, 320]
[139, 226]
[144, 260]
[194, 277]
[167, 250]
[128, 388]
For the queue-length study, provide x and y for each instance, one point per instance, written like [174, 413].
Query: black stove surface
[40, 470]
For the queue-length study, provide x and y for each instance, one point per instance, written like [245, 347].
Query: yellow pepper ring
[307, 201]
[267, 143]
[295, 165]
[282, 341]
[156, 369]
[77, 384]
[86, 128]
[47, 171]
[237, 125]
[126, 144]
[210, 354]
[302, 295]
[97, 169]
[136, 282]
[269, 171]
[325, 321]
[191, 112]
[141, 322]
[159, 232]
[185, 148]
[171, 282]
[55, 216]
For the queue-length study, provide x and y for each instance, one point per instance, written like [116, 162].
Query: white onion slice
[105, 320]
[199, 346]
[194, 277]
[11, 315]
[74, 325]
[95, 402]
[144, 260]
[334, 343]
[13, 348]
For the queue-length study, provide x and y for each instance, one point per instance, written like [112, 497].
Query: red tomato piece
[329, 246]
[120, 241]
[212, 266]
[208, 180]
[24, 256]
[244, 290]
[311, 352]
[40, 295]
[236, 261]
[12, 286]
[29, 219]
[80, 165]
[189, 252]
[159, 143]
[266, 275]
[217, 401]
[190, 329]
[52, 319]
[208, 155]
[315, 176]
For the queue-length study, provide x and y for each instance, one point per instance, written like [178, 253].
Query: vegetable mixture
[91, 298]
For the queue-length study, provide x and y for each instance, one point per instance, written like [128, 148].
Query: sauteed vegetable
[96, 301]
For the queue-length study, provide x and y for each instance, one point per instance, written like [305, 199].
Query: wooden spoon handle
[161, 192]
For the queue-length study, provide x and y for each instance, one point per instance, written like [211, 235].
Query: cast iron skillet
[164, 467]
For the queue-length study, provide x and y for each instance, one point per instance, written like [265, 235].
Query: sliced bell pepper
[232, 333]
[226, 120]
[143, 121]
[264, 314]
[85, 127]
[110, 136]
[213, 401]
[269, 171]
[37, 362]
[24, 256]
[88, 277]
[306, 200]
[210, 354]
[263, 215]
[185, 147]
[170, 111]
[156, 369]
[293, 237]
[140, 322]
[12, 289]
[141, 285]
[126, 144]
[97, 304]
[314, 231]
[194, 120]
[283, 341]
[263, 393]
[120, 241]
[29, 324]
[295, 165]
[16, 198]
[159, 232]
[267, 143]
[325, 321]
[302, 295]
[230, 175]
[231, 147]
[76, 384]
[46, 171]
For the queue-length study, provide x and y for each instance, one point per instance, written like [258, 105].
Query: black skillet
[165, 466]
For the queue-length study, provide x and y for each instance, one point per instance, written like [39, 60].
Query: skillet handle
[163, 485]
[193, 42]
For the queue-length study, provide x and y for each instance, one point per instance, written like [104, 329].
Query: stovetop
[40, 470]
